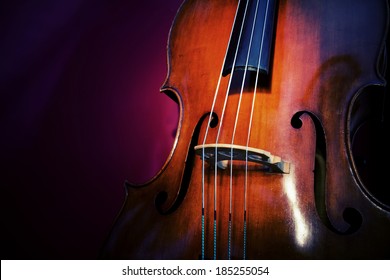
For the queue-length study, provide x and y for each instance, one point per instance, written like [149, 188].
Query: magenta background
[80, 113]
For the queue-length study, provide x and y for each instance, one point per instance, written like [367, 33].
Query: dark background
[80, 113]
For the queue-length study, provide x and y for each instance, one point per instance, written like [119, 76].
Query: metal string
[249, 134]
[203, 151]
[219, 130]
[234, 133]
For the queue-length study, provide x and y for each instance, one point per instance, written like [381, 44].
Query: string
[234, 133]
[219, 131]
[249, 132]
[205, 137]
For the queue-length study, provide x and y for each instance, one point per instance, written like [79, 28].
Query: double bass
[274, 155]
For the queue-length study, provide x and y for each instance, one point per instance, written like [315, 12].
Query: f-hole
[350, 215]
[162, 196]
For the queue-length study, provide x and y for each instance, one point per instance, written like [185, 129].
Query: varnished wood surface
[325, 53]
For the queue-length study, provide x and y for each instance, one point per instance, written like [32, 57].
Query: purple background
[80, 113]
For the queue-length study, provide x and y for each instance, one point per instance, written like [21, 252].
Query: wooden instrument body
[325, 54]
